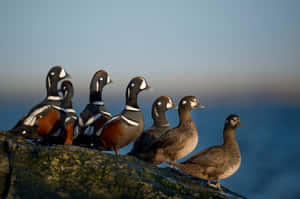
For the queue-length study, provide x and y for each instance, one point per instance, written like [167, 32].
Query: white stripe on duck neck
[129, 121]
[106, 113]
[131, 108]
[98, 103]
[58, 108]
[70, 110]
[54, 98]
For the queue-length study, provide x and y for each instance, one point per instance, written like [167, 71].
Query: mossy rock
[31, 171]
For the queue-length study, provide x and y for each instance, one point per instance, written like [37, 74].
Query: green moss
[75, 172]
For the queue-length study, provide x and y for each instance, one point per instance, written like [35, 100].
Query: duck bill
[149, 88]
[109, 81]
[68, 76]
[199, 106]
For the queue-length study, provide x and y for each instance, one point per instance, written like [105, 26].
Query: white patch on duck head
[49, 82]
[143, 84]
[155, 112]
[132, 85]
[62, 73]
[108, 80]
[169, 104]
[97, 86]
[159, 103]
[194, 102]
[52, 73]
[184, 102]
[234, 121]
[128, 92]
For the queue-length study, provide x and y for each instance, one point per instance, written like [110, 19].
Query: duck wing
[213, 157]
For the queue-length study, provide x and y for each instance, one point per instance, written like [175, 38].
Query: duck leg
[116, 150]
[216, 186]
[219, 185]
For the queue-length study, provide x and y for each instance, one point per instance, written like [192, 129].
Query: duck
[127, 126]
[216, 162]
[177, 142]
[95, 113]
[160, 125]
[43, 117]
[64, 129]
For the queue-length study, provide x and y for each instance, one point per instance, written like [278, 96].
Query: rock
[31, 171]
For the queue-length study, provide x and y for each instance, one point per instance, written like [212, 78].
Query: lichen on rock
[31, 171]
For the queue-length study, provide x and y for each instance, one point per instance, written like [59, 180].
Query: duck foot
[216, 186]
[172, 164]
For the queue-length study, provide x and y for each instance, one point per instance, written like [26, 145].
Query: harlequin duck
[63, 132]
[126, 127]
[217, 162]
[94, 114]
[41, 118]
[178, 142]
[160, 125]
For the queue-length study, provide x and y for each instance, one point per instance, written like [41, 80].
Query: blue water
[268, 141]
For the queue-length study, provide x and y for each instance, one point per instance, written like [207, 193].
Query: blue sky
[219, 50]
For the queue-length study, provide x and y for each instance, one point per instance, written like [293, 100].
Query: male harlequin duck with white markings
[178, 142]
[70, 117]
[160, 125]
[217, 162]
[63, 131]
[127, 126]
[42, 118]
[94, 114]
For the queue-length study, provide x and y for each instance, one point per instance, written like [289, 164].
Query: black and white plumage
[95, 113]
[126, 127]
[43, 117]
[64, 131]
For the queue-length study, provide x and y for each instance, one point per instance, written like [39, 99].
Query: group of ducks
[54, 121]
